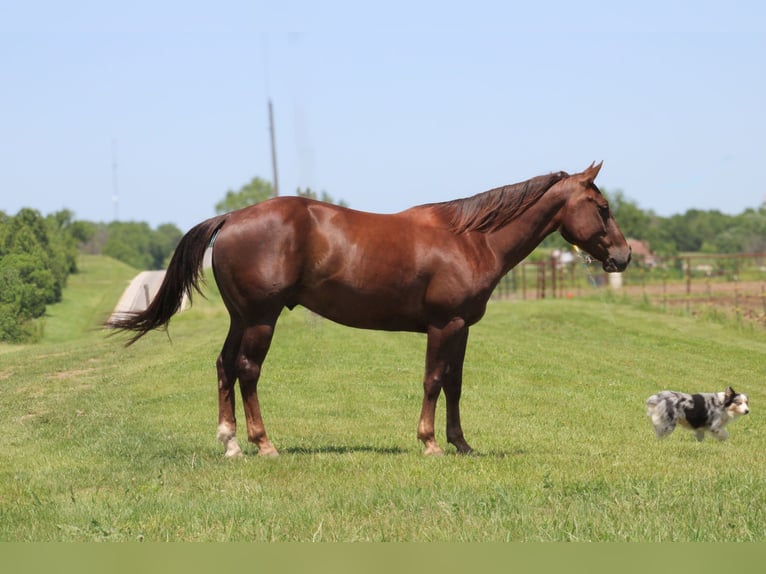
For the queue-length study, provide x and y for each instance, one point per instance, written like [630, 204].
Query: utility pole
[273, 150]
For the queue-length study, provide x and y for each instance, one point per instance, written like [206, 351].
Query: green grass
[102, 442]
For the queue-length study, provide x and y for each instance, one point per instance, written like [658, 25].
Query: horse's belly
[392, 311]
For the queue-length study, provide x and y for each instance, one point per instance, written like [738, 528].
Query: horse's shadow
[346, 449]
[342, 449]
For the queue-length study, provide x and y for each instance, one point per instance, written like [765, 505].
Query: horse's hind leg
[255, 345]
[227, 376]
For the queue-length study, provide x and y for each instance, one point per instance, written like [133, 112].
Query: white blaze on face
[740, 406]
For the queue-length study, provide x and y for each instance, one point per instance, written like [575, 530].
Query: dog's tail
[657, 410]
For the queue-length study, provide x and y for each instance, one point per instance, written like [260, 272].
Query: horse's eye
[603, 211]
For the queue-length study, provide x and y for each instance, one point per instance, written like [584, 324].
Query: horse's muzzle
[616, 265]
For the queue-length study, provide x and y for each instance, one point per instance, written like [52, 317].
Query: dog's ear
[730, 392]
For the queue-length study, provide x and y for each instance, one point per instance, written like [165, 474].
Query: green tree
[640, 224]
[27, 234]
[691, 229]
[136, 244]
[29, 285]
[633, 221]
[128, 241]
[254, 192]
[36, 257]
[36, 233]
[744, 233]
[323, 196]
[165, 239]
[13, 326]
[65, 237]
[753, 223]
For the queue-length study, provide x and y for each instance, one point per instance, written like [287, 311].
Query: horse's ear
[593, 170]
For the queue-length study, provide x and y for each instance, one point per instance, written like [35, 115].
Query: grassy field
[100, 442]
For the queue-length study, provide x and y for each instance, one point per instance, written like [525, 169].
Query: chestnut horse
[430, 269]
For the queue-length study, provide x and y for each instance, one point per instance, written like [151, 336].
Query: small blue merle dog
[699, 413]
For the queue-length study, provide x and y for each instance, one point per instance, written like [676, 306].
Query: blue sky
[383, 104]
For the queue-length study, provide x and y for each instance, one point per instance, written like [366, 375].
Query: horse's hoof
[268, 452]
[233, 453]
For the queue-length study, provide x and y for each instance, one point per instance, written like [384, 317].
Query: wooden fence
[726, 284]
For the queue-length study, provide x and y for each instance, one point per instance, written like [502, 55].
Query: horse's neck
[519, 238]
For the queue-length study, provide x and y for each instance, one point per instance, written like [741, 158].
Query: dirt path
[144, 287]
[139, 292]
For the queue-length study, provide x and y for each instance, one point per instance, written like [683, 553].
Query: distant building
[642, 252]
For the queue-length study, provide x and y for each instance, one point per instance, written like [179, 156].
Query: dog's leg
[699, 434]
[663, 427]
[720, 434]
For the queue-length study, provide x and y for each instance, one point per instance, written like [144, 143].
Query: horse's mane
[496, 208]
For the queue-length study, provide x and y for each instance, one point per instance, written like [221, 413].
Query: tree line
[259, 189]
[695, 231]
[38, 253]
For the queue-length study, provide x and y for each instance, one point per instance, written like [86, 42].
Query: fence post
[643, 282]
[688, 284]
[553, 276]
[562, 278]
[523, 281]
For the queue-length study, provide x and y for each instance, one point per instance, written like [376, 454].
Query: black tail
[182, 276]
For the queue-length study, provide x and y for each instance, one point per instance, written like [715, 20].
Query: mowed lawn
[103, 442]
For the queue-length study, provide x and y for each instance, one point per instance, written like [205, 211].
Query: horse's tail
[182, 277]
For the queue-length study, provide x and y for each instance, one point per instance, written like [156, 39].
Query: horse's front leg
[431, 390]
[445, 351]
[453, 384]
